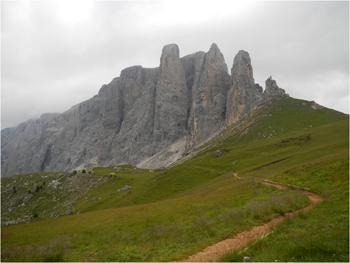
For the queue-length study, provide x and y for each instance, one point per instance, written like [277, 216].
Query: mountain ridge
[140, 113]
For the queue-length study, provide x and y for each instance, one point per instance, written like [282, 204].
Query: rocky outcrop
[244, 93]
[315, 106]
[146, 116]
[208, 93]
[272, 90]
[170, 119]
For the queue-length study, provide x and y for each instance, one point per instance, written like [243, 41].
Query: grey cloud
[48, 66]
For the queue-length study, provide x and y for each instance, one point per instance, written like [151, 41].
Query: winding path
[241, 240]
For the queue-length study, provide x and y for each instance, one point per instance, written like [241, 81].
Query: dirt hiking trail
[241, 240]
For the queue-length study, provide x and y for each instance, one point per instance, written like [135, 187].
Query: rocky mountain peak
[242, 70]
[214, 56]
[214, 48]
[244, 93]
[209, 85]
[169, 53]
[272, 89]
[146, 116]
[170, 112]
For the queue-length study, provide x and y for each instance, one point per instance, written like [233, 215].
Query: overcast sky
[58, 53]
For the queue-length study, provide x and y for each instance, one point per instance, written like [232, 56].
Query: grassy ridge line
[283, 114]
[259, 124]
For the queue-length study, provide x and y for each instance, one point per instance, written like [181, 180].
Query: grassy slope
[170, 214]
[322, 165]
[280, 118]
[323, 233]
[33, 196]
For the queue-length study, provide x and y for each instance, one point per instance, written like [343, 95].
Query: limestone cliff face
[208, 92]
[244, 93]
[146, 115]
[170, 98]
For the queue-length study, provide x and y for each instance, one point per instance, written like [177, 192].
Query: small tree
[83, 171]
[14, 189]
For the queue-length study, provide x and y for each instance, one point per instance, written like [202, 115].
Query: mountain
[148, 117]
[121, 213]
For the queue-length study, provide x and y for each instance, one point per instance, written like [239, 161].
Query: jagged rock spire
[242, 70]
[170, 119]
[170, 53]
[272, 89]
[244, 93]
[209, 91]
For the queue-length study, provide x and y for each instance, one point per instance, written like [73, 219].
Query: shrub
[38, 188]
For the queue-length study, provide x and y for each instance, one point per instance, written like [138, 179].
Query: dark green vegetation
[139, 215]
[43, 195]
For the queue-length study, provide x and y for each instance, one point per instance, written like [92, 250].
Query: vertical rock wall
[140, 114]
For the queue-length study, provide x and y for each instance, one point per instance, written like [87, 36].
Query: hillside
[169, 214]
